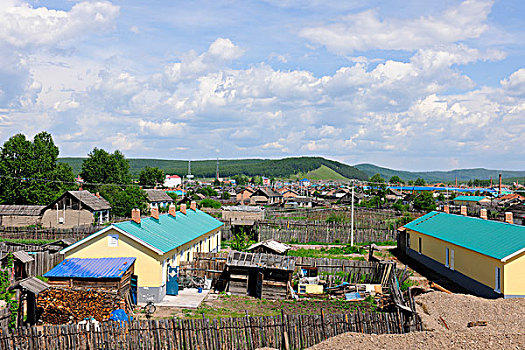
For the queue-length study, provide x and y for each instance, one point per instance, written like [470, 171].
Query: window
[447, 257]
[497, 281]
[408, 240]
[451, 259]
[420, 245]
[113, 240]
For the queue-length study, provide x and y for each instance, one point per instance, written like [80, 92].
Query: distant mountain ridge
[278, 168]
[437, 176]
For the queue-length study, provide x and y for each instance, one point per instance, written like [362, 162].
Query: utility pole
[352, 218]
[217, 171]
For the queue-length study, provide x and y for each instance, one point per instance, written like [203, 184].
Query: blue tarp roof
[91, 268]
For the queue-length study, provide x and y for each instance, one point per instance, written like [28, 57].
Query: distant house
[76, 208]
[242, 214]
[172, 181]
[347, 198]
[264, 196]
[486, 257]
[265, 181]
[510, 199]
[243, 196]
[289, 194]
[305, 182]
[471, 201]
[394, 195]
[20, 215]
[158, 198]
[158, 243]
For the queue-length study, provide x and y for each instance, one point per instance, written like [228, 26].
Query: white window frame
[452, 262]
[497, 280]
[113, 239]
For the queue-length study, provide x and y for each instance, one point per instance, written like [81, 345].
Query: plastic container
[199, 290]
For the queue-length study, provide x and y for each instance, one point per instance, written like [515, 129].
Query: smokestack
[508, 217]
[183, 209]
[483, 213]
[193, 206]
[154, 213]
[172, 211]
[499, 190]
[446, 209]
[463, 210]
[135, 215]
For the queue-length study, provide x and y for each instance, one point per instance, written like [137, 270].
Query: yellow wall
[148, 266]
[514, 270]
[472, 264]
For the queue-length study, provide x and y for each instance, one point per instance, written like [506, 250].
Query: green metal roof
[168, 233]
[469, 198]
[492, 238]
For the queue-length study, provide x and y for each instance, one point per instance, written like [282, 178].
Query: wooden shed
[104, 273]
[263, 276]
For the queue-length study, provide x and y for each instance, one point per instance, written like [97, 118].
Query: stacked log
[69, 305]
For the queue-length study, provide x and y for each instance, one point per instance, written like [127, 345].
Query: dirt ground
[505, 327]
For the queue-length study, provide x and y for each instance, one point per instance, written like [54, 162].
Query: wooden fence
[47, 233]
[43, 259]
[281, 332]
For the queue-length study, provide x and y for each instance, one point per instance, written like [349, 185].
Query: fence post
[284, 331]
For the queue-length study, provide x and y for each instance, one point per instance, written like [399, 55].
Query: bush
[210, 203]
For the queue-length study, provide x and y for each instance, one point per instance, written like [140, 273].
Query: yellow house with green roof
[485, 257]
[158, 243]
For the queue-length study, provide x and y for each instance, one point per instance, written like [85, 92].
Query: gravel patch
[505, 327]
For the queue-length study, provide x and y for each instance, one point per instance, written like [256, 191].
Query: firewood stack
[66, 305]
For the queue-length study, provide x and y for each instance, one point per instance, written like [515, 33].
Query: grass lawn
[342, 252]
[238, 306]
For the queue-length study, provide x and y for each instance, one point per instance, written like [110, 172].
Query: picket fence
[281, 332]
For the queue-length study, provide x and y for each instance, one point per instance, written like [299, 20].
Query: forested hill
[279, 168]
[435, 176]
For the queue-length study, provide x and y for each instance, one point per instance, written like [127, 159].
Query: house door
[172, 284]
[133, 289]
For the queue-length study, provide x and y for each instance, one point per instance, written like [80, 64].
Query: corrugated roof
[469, 198]
[31, 284]
[26, 210]
[157, 196]
[271, 244]
[23, 256]
[492, 238]
[168, 233]
[91, 268]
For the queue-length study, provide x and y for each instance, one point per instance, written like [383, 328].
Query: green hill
[437, 176]
[278, 168]
[322, 173]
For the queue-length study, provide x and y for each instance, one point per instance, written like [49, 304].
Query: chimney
[172, 211]
[193, 206]
[499, 189]
[483, 214]
[97, 195]
[183, 209]
[463, 210]
[154, 212]
[508, 217]
[135, 215]
[446, 209]
[80, 188]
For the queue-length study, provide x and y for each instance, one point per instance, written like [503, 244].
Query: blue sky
[415, 85]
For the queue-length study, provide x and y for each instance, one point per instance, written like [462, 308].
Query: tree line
[31, 174]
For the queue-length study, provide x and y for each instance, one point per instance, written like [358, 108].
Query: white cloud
[23, 25]
[165, 128]
[368, 30]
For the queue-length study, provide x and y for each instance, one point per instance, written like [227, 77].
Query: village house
[471, 201]
[76, 208]
[158, 198]
[243, 196]
[486, 257]
[159, 243]
[20, 215]
[265, 196]
[172, 181]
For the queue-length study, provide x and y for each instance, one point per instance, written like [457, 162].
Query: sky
[412, 85]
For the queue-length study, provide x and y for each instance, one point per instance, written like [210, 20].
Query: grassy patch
[27, 241]
[332, 252]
